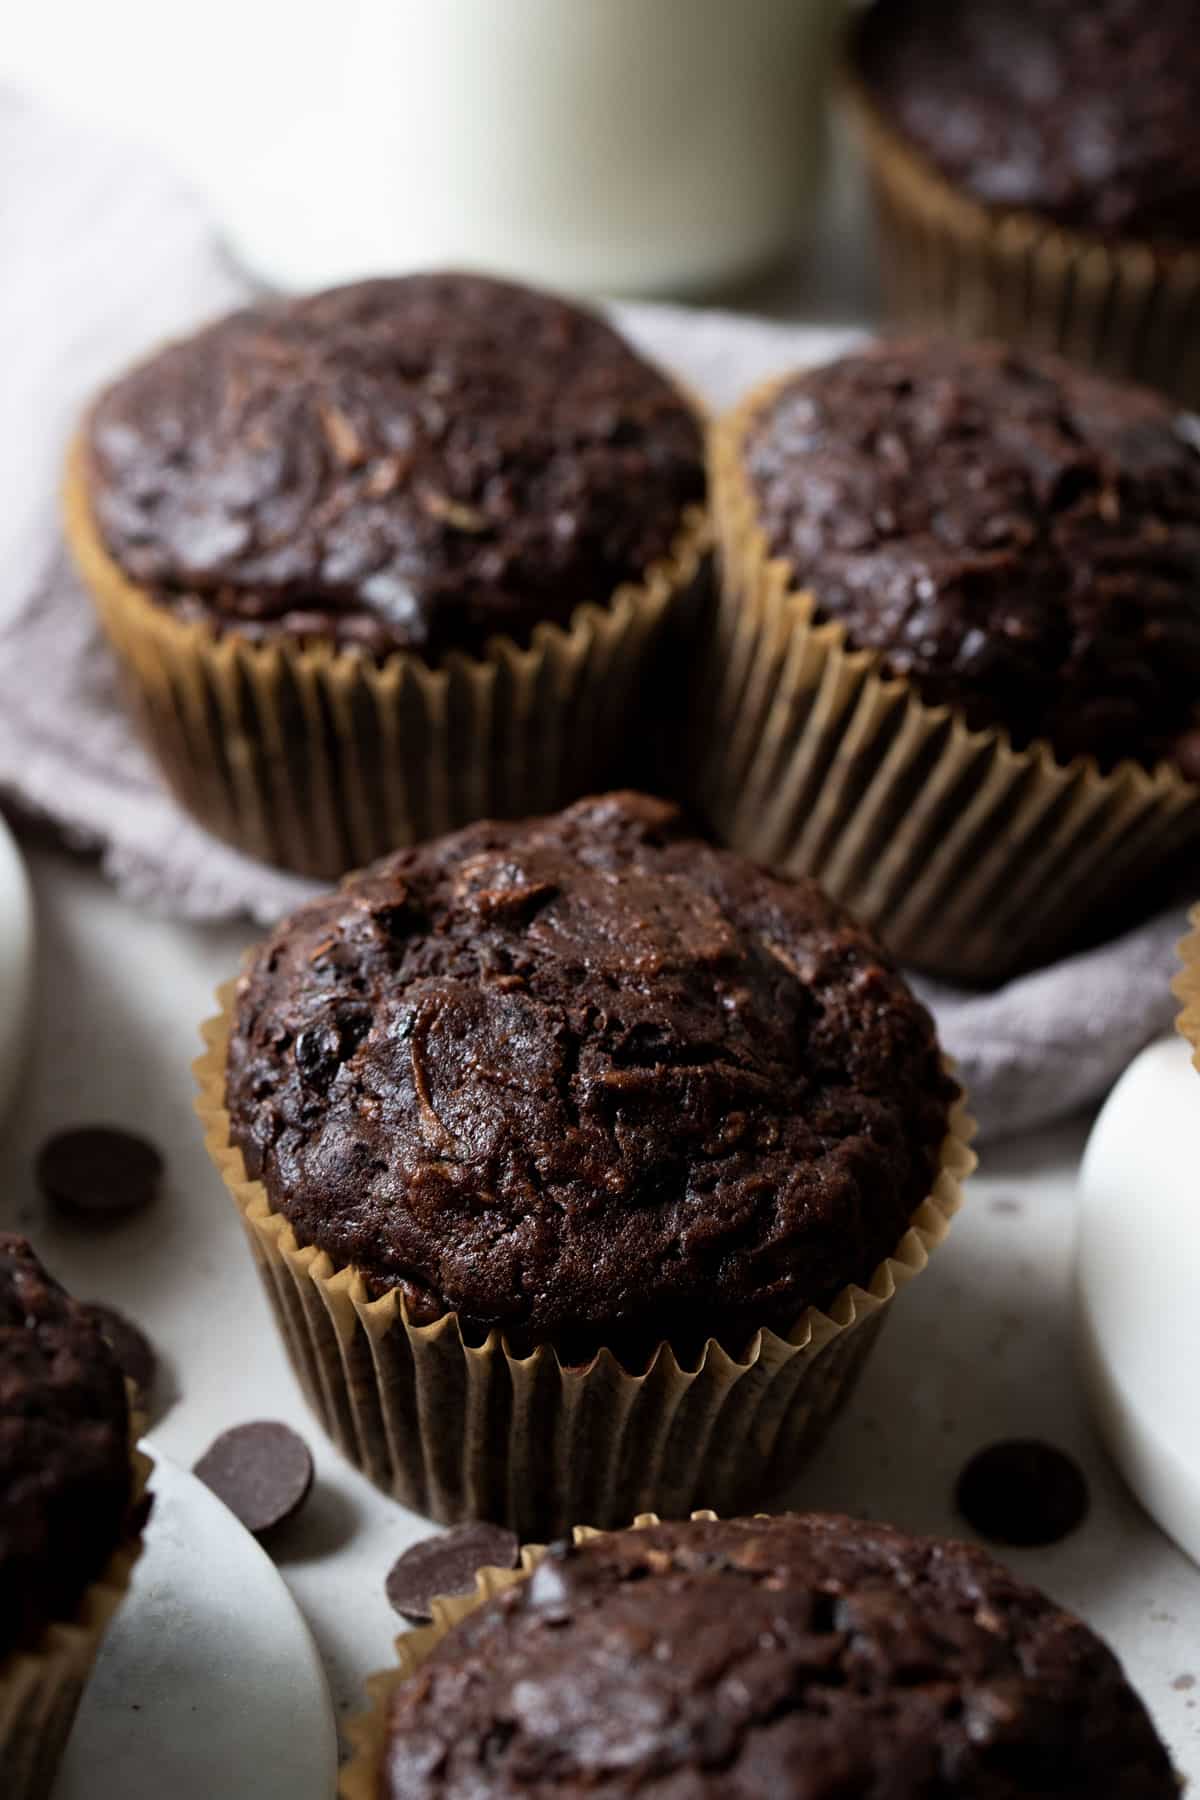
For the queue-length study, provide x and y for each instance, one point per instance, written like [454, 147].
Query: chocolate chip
[446, 1565]
[328, 1041]
[1022, 1492]
[262, 1471]
[132, 1349]
[99, 1171]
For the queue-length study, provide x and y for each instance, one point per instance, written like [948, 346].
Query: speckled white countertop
[979, 1349]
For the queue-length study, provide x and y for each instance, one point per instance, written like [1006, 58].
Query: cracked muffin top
[418, 463]
[1019, 539]
[805, 1657]
[1086, 115]
[589, 1080]
[65, 1476]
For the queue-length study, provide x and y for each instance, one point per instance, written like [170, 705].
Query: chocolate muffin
[1036, 174]
[804, 1657]
[590, 1081]
[66, 1498]
[419, 463]
[953, 673]
[1088, 116]
[380, 561]
[1018, 539]
[582, 1164]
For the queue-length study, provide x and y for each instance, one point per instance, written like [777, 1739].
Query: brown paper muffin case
[367, 1733]
[1186, 985]
[971, 859]
[949, 261]
[320, 760]
[40, 1689]
[462, 1431]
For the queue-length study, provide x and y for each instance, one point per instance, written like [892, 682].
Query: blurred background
[666, 148]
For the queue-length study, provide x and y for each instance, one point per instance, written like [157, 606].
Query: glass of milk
[602, 146]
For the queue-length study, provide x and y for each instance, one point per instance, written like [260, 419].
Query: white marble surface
[980, 1348]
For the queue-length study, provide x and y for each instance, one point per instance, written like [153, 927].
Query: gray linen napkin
[103, 254]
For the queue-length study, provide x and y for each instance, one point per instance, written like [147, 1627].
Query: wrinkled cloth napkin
[103, 254]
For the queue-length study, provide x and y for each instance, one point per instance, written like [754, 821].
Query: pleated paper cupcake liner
[971, 859]
[368, 1732]
[319, 759]
[40, 1689]
[1127, 308]
[464, 1431]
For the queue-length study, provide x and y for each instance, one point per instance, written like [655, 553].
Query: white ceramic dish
[1139, 1274]
[16, 965]
[209, 1682]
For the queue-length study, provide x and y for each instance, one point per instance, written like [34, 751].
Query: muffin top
[65, 1482]
[587, 1079]
[418, 463]
[1086, 114]
[1019, 539]
[808, 1658]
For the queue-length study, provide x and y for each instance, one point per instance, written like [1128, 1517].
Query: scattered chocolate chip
[262, 1471]
[1022, 1492]
[131, 1347]
[99, 1171]
[446, 1565]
